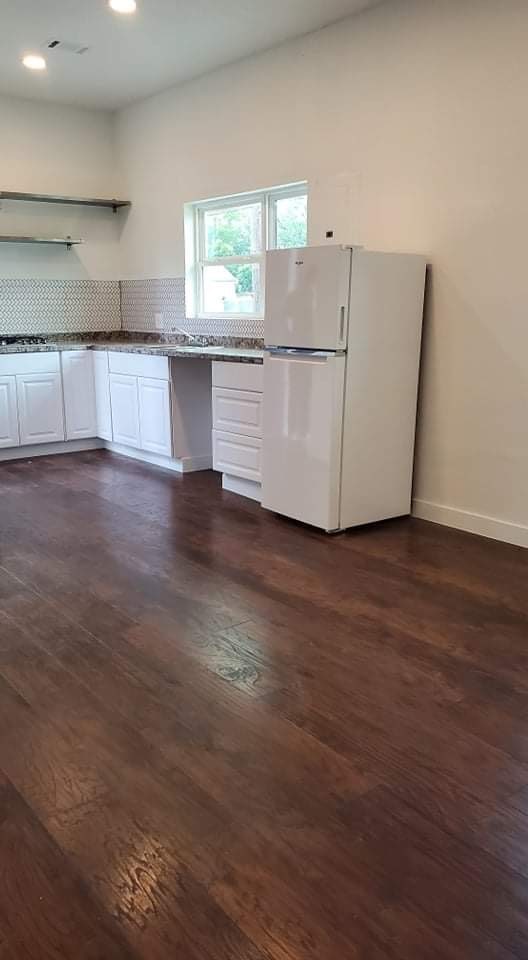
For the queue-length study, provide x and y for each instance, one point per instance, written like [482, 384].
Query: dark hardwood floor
[227, 737]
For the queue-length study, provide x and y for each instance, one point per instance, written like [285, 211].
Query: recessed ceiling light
[34, 61]
[123, 6]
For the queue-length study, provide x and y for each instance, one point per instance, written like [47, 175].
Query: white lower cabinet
[48, 397]
[79, 394]
[103, 405]
[155, 416]
[141, 413]
[125, 409]
[9, 435]
[237, 425]
[40, 410]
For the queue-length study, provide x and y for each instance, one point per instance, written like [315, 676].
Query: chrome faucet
[201, 341]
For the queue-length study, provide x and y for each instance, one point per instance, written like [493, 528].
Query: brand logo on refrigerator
[299, 263]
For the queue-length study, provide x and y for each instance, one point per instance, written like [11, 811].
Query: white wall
[409, 121]
[60, 150]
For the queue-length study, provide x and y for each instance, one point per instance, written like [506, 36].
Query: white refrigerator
[343, 333]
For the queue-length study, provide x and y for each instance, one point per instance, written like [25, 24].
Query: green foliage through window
[242, 231]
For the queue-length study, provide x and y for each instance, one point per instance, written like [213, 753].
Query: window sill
[227, 316]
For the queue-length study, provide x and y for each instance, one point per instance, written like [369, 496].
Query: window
[231, 236]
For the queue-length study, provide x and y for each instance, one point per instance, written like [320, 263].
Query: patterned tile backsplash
[75, 306]
[153, 305]
[159, 306]
[247, 328]
[59, 306]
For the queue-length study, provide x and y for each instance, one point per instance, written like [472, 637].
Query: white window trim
[195, 244]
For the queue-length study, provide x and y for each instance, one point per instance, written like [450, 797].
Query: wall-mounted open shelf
[68, 242]
[76, 201]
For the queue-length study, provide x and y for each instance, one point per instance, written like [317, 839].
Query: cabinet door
[125, 410]
[9, 436]
[79, 394]
[40, 413]
[155, 416]
[102, 395]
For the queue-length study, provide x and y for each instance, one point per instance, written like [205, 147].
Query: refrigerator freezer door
[307, 292]
[302, 435]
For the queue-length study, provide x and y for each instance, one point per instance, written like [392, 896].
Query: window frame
[268, 202]
[281, 193]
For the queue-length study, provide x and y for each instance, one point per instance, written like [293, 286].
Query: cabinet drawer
[238, 376]
[12, 364]
[138, 365]
[237, 411]
[239, 456]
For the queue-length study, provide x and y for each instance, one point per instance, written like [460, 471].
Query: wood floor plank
[136, 859]
[224, 735]
[45, 909]
[181, 716]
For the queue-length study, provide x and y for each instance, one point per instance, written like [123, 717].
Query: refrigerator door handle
[342, 325]
[292, 353]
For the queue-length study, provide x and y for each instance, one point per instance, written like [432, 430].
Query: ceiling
[164, 43]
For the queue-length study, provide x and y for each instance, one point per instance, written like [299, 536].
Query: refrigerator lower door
[302, 436]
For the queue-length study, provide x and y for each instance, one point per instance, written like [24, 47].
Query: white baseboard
[516, 533]
[195, 464]
[244, 488]
[186, 465]
[48, 449]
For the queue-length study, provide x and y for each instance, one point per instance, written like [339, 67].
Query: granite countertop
[237, 354]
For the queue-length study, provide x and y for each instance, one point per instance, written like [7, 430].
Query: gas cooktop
[24, 341]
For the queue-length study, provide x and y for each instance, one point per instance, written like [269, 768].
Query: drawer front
[237, 411]
[138, 365]
[12, 364]
[238, 456]
[238, 376]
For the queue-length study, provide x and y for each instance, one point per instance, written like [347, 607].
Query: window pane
[233, 231]
[291, 214]
[233, 289]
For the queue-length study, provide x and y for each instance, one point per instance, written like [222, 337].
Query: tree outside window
[232, 236]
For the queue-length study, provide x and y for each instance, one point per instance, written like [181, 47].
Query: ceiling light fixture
[123, 6]
[34, 61]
